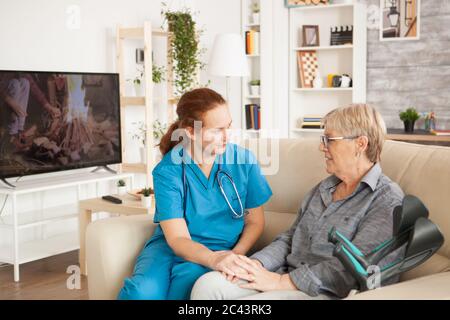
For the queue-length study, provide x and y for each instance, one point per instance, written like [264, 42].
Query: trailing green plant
[255, 82]
[185, 50]
[409, 115]
[121, 183]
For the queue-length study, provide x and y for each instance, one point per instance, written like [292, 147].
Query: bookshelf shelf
[310, 130]
[323, 89]
[347, 59]
[337, 47]
[322, 7]
[260, 62]
[145, 35]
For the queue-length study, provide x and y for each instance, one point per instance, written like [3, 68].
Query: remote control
[112, 199]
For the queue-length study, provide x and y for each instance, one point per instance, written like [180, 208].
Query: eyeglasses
[325, 140]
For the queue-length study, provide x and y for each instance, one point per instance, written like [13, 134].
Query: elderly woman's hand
[261, 279]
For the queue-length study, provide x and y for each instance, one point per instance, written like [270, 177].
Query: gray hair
[359, 120]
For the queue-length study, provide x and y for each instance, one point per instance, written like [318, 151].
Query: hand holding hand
[225, 261]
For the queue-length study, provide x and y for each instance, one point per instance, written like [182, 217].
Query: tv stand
[7, 183]
[104, 167]
[44, 244]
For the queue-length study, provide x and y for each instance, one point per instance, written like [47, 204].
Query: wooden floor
[42, 280]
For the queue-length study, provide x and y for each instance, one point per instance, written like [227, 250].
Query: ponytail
[166, 143]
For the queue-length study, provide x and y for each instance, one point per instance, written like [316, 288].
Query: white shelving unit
[337, 59]
[146, 35]
[260, 65]
[22, 252]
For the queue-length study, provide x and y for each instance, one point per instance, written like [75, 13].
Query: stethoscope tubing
[219, 181]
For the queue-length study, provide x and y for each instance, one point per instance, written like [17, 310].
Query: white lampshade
[228, 56]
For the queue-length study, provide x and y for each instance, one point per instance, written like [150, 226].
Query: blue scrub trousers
[160, 275]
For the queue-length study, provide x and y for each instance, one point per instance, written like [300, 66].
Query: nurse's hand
[225, 262]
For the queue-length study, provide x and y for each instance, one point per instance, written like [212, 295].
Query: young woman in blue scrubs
[209, 195]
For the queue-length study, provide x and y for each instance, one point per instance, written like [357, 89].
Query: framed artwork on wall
[399, 20]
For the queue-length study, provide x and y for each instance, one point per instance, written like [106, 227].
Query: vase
[255, 18]
[409, 126]
[143, 152]
[122, 190]
[138, 90]
[254, 90]
[146, 201]
[318, 82]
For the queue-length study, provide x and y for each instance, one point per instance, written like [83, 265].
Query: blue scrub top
[209, 218]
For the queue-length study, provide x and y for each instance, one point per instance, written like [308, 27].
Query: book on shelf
[310, 126]
[251, 42]
[252, 116]
[311, 122]
[440, 132]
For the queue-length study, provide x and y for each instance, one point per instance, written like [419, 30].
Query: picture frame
[310, 36]
[399, 20]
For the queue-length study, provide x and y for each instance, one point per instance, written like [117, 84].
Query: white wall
[36, 35]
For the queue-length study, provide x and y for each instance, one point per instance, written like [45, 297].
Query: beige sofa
[424, 171]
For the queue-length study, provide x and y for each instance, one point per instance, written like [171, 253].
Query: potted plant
[255, 12]
[137, 82]
[159, 130]
[254, 87]
[121, 187]
[184, 48]
[146, 199]
[409, 117]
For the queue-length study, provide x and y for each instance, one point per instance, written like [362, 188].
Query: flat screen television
[54, 121]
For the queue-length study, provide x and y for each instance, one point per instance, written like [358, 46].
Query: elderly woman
[357, 198]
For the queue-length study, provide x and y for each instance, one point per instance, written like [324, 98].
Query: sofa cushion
[423, 171]
[436, 264]
[433, 287]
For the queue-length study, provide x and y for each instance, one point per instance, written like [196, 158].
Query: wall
[400, 74]
[35, 35]
[415, 73]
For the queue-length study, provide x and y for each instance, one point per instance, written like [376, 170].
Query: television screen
[53, 121]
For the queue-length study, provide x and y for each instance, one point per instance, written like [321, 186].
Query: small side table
[129, 206]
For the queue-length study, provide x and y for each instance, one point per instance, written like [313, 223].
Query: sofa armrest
[112, 246]
[433, 287]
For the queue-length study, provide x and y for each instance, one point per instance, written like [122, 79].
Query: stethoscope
[219, 179]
